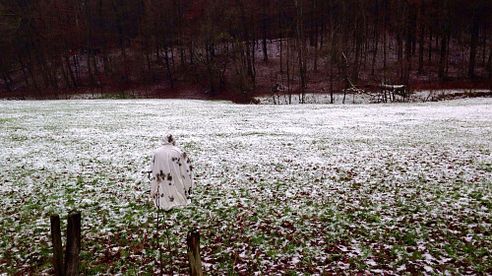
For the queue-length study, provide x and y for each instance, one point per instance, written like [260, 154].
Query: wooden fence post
[72, 257]
[57, 245]
[193, 244]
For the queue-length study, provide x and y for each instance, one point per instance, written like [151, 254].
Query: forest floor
[384, 189]
[367, 98]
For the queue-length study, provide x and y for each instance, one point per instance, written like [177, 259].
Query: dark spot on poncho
[171, 198]
[169, 177]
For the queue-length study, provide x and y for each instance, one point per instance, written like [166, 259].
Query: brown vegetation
[236, 49]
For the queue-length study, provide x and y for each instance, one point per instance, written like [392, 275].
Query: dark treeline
[241, 45]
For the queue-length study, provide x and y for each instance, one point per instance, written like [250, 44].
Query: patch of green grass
[486, 167]
[18, 138]
[6, 120]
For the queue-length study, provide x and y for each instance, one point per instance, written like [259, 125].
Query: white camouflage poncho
[171, 180]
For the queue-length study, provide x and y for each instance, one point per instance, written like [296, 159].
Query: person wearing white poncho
[171, 179]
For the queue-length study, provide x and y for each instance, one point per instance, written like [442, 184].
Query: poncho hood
[168, 139]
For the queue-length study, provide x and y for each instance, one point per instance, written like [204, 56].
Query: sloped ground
[307, 188]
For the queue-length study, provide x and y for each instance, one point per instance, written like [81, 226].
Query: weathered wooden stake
[72, 257]
[193, 244]
[57, 245]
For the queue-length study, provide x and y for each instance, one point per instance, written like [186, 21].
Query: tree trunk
[316, 36]
[89, 69]
[421, 42]
[484, 46]
[375, 39]
[489, 63]
[168, 67]
[430, 46]
[24, 73]
[384, 51]
[281, 53]
[68, 83]
[70, 71]
[443, 57]
[264, 38]
[473, 45]
[385, 27]
[300, 43]
[401, 62]
[444, 42]
[96, 71]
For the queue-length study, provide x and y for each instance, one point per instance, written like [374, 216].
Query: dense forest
[241, 47]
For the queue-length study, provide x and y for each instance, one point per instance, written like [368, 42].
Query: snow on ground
[351, 98]
[308, 188]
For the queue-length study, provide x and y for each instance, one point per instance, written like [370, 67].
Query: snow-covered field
[281, 189]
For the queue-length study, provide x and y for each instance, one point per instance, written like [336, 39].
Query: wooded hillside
[241, 47]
